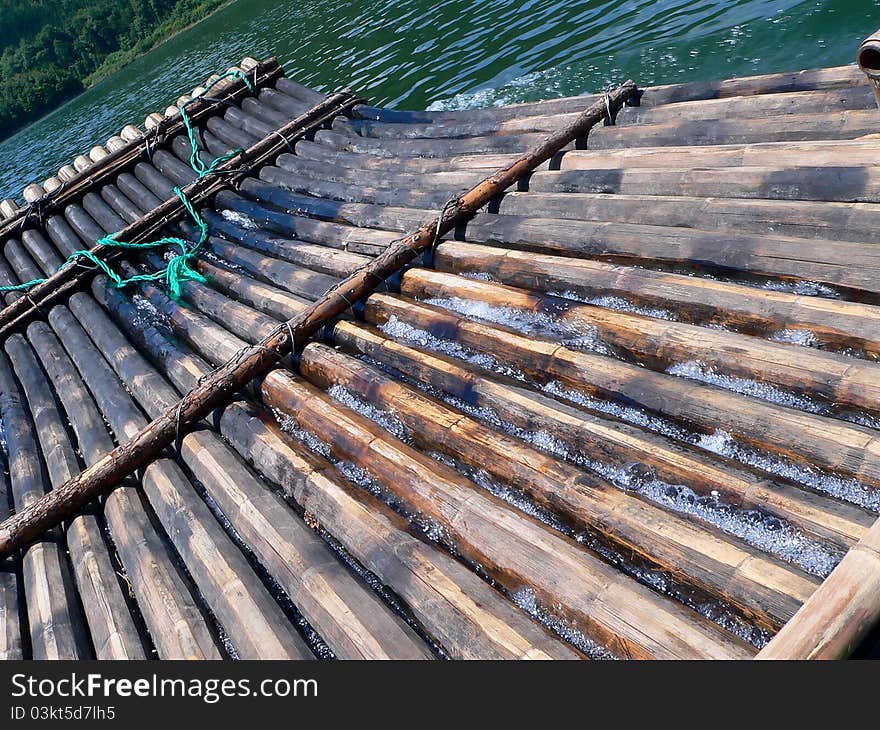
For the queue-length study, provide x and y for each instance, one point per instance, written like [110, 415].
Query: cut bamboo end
[153, 120]
[97, 153]
[33, 192]
[115, 143]
[197, 91]
[67, 173]
[172, 111]
[8, 207]
[130, 133]
[51, 183]
[249, 64]
[81, 162]
[183, 99]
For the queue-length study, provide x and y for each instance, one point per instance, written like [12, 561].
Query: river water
[451, 54]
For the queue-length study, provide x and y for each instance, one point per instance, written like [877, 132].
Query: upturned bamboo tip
[869, 57]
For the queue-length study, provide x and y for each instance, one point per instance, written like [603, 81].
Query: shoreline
[165, 39]
[110, 71]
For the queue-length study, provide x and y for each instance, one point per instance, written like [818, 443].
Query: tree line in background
[51, 50]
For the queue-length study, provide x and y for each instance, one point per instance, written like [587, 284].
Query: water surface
[454, 54]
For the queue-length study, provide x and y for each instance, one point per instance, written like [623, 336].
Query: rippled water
[452, 54]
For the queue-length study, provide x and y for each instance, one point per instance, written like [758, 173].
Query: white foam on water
[541, 324]
[801, 337]
[239, 219]
[616, 303]
[625, 413]
[695, 370]
[526, 599]
[479, 276]
[803, 288]
[396, 329]
[849, 490]
[510, 92]
[386, 419]
[513, 496]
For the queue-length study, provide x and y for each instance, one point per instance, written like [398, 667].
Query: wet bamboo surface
[627, 410]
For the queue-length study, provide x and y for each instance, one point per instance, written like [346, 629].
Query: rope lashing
[179, 267]
[610, 116]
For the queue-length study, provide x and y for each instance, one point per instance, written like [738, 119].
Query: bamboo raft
[625, 409]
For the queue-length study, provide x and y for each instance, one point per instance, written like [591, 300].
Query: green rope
[179, 268]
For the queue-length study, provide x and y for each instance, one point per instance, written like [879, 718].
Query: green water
[454, 54]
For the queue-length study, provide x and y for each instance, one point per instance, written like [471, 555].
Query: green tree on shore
[51, 50]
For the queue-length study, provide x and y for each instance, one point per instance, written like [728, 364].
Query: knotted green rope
[178, 269]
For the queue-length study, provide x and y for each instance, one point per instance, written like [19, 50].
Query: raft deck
[628, 410]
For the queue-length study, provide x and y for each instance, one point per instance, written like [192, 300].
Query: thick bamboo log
[54, 617]
[514, 549]
[265, 150]
[761, 588]
[840, 614]
[467, 617]
[822, 376]
[175, 622]
[615, 442]
[801, 219]
[815, 441]
[835, 324]
[363, 241]
[851, 183]
[236, 373]
[110, 624]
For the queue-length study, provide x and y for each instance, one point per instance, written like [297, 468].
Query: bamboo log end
[33, 192]
[130, 133]
[81, 162]
[52, 183]
[115, 143]
[153, 120]
[8, 207]
[97, 153]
